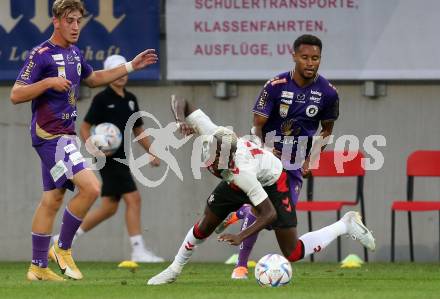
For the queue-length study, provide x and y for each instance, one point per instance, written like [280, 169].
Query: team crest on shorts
[211, 199]
[284, 109]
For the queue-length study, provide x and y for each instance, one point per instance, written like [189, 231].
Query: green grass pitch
[211, 280]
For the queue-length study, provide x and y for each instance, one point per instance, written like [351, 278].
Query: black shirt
[108, 106]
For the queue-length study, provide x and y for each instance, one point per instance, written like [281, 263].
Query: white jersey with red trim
[255, 167]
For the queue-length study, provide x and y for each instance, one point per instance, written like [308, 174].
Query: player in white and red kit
[250, 175]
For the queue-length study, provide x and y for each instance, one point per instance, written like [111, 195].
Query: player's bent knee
[92, 191]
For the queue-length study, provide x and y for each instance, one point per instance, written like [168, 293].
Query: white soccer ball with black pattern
[273, 270]
[111, 134]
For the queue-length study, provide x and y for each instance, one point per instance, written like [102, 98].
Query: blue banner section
[124, 27]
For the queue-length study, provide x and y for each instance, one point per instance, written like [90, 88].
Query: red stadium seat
[327, 167]
[419, 164]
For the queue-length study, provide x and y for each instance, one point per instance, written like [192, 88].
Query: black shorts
[116, 180]
[226, 199]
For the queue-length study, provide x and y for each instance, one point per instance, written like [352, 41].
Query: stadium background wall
[407, 117]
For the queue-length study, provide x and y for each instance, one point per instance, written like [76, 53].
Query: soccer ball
[273, 270]
[111, 134]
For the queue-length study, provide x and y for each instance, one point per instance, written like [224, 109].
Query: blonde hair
[62, 7]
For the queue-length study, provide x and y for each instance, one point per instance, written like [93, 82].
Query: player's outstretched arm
[104, 77]
[22, 93]
[266, 215]
[181, 108]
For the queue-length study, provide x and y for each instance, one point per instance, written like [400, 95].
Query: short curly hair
[307, 39]
[61, 8]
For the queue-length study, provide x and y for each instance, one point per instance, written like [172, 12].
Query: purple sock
[243, 211]
[69, 226]
[248, 243]
[40, 248]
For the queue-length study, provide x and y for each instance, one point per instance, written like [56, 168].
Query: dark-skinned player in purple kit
[290, 107]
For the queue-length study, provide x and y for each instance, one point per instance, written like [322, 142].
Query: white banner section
[252, 39]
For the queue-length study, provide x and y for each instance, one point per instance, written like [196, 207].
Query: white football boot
[166, 276]
[358, 231]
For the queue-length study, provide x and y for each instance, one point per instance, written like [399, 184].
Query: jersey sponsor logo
[284, 109]
[27, 72]
[262, 100]
[62, 71]
[111, 106]
[70, 148]
[70, 59]
[76, 158]
[287, 94]
[332, 86]
[316, 93]
[312, 110]
[57, 57]
[315, 99]
[58, 170]
[60, 62]
[78, 69]
[131, 105]
[285, 101]
[279, 81]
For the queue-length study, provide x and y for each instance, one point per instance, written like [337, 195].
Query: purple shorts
[60, 161]
[295, 184]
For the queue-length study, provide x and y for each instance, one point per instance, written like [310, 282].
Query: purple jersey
[54, 113]
[296, 111]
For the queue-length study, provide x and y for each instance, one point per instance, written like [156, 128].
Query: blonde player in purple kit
[291, 106]
[50, 79]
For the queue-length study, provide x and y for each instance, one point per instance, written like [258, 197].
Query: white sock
[317, 240]
[137, 242]
[78, 234]
[186, 251]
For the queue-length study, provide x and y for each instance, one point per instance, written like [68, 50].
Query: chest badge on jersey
[131, 105]
[78, 69]
[284, 109]
[312, 110]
